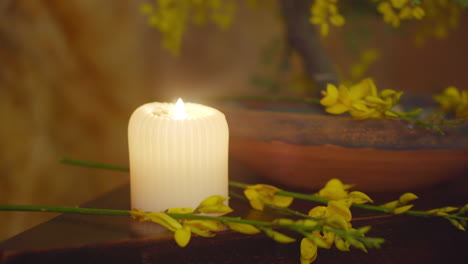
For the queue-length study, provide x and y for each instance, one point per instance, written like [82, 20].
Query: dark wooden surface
[115, 239]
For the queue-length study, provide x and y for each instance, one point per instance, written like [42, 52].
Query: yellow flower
[394, 11]
[171, 17]
[182, 236]
[278, 237]
[362, 101]
[334, 189]
[261, 194]
[243, 228]
[324, 13]
[400, 206]
[163, 219]
[203, 228]
[182, 233]
[453, 101]
[204, 224]
[214, 205]
[308, 251]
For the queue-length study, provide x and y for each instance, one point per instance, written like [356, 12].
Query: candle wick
[180, 112]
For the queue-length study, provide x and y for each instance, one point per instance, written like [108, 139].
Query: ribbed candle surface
[177, 160]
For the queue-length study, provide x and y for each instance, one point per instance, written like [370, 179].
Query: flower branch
[296, 195]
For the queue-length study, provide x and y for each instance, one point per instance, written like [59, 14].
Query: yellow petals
[457, 224]
[172, 17]
[204, 224]
[359, 197]
[418, 12]
[391, 205]
[402, 209]
[318, 211]
[324, 13]
[407, 197]
[278, 237]
[334, 189]
[395, 10]
[340, 208]
[341, 245]
[243, 228]
[308, 251]
[361, 100]
[330, 95]
[337, 20]
[214, 205]
[453, 101]
[337, 221]
[337, 109]
[447, 209]
[182, 236]
[323, 241]
[201, 232]
[164, 220]
[261, 194]
[399, 3]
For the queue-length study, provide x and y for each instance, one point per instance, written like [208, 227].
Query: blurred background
[72, 72]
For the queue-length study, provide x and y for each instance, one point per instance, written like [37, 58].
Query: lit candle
[178, 155]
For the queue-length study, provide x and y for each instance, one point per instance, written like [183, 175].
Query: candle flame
[180, 113]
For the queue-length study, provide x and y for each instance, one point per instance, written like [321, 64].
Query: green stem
[63, 209]
[296, 195]
[93, 164]
[92, 211]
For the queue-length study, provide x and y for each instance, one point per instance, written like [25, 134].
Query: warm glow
[180, 113]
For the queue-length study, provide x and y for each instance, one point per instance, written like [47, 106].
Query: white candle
[178, 155]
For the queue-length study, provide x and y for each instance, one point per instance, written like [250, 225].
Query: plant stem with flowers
[321, 227]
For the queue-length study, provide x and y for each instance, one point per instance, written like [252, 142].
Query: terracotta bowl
[295, 146]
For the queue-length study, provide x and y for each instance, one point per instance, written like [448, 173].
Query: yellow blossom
[243, 228]
[334, 189]
[163, 219]
[340, 208]
[341, 245]
[394, 11]
[324, 13]
[400, 206]
[457, 224]
[453, 101]
[323, 239]
[359, 197]
[182, 236]
[362, 101]
[402, 209]
[308, 251]
[407, 197]
[204, 224]
[214, 205]
[261, 194]
[171, 17]
[278, 237]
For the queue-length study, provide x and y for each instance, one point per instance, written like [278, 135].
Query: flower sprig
[322, 227]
